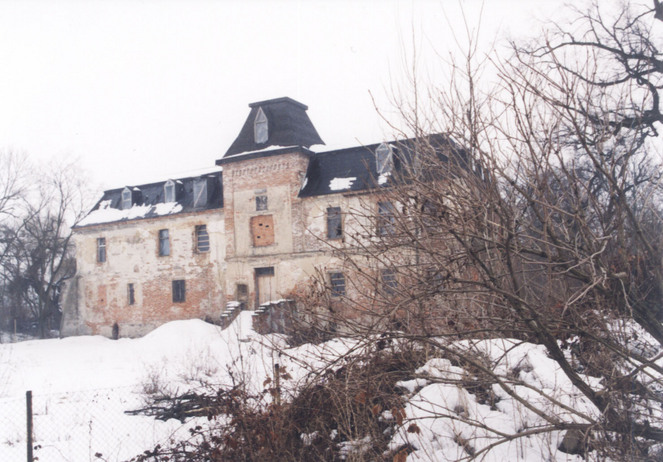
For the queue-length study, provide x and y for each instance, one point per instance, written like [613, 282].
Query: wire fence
[81, 426]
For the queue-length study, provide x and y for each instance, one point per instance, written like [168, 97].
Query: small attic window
[126, 199]
[169, 191]
[260, 131]
[384, 159]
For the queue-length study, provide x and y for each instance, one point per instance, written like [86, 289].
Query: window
[131, 295]
[388, 280]
[261, 203]
[260, 129]
[164, 243]
[126, 199]
[334, 223]
[200, 192]
[169, 191]
[179, 291]
[202, 239]
[101, 249]
[262, 230]
[384, 159]
[337, 281]
[386, 218]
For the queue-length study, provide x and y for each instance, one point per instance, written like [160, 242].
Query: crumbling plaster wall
[133, 258]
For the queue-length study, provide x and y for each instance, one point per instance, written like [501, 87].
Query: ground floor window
[179, 290]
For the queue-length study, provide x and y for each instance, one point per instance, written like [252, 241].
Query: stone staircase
[233, 308]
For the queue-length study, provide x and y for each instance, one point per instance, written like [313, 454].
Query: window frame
[260, 127]
[164, 242]
[201, 234]
[131, 294]
[384, 159]
[127, 198]
[388, 281]
[101, 250]
[200, 192]
[179, 290]
[337, 284]
[386, 218]
[169, 193]
[262, 203]
[334, 223]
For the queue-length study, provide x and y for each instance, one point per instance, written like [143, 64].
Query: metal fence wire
[81, 426]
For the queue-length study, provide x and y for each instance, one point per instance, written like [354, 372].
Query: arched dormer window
[127, 201]
[169, 191]
[260, 130]
[384, 159]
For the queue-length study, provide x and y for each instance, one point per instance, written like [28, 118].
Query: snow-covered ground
[82, 386]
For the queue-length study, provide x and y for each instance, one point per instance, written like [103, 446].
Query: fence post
[28, 419]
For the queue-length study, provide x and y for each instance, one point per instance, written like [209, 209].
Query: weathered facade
[247, 231]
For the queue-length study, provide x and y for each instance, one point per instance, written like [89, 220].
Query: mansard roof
[148, 200]
[288, 125]
[355, 169]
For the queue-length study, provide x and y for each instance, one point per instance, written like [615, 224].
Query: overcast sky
[146, 90]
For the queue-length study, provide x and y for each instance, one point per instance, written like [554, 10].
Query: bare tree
[38, 244]
[541, 221]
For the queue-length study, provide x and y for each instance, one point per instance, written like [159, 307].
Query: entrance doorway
[265, 286]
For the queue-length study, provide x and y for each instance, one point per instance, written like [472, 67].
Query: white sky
[146, 90]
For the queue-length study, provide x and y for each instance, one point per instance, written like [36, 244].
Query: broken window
[386, 219]
[101, 249]
[384, 159]
[388, 281]
[261, 203]
[169, 191]
[337, 282]
[200, 192]
[334, 223]
[126, 199]
[131, 295]
[262, 230]
[202, 238]
[164, 243]
[179, 291]
[260, 128]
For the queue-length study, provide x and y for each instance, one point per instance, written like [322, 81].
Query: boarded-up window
[262, 230]
[179, 291]
[334, 223]
[202, 238]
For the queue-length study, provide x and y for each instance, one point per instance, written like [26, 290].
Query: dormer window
[200, 192]
[260, 130]
[126, 199]
[384, 159]
[169, 191]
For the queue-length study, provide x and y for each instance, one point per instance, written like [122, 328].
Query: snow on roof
[106, 214]
[340, 184]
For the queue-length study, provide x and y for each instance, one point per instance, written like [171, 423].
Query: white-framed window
[260, 128]
[127, 201]
[202, 239]
[384, 158]
[169, 191]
